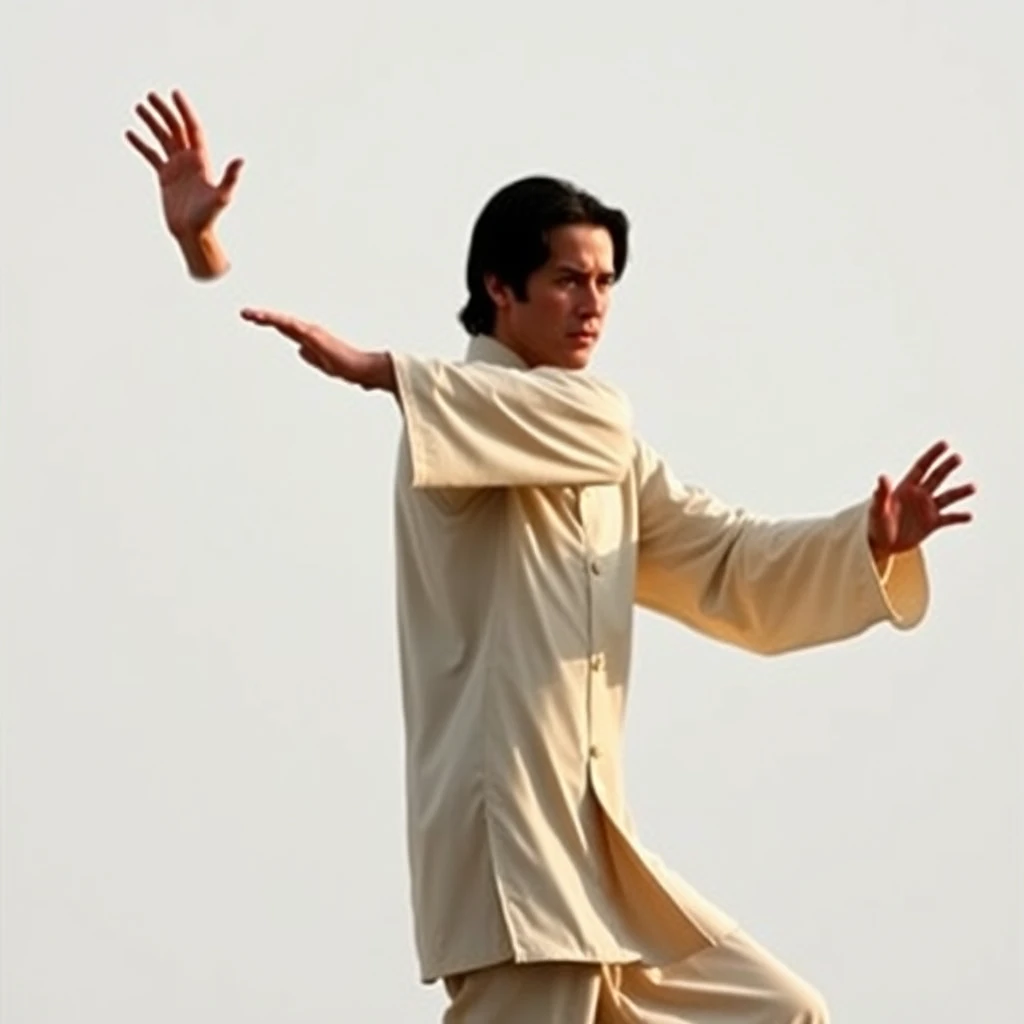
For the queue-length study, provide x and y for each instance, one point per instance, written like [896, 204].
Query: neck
[502, 335]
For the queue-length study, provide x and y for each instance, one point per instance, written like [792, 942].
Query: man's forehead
[582, 247]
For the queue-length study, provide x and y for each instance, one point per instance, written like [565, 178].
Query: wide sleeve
[479, 425]
[765, 585]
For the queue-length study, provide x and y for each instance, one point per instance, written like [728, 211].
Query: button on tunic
[529, 522]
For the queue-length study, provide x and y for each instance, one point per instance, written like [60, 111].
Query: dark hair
[511, 239]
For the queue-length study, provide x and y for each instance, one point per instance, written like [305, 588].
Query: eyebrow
[569, 268]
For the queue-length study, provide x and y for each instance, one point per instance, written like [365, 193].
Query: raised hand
[191, 199]
[903, 516]
[331, 355]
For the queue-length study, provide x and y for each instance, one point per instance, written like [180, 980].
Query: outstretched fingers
[172, 131]
[925, 462]
[953, 519]
[934, 480]
[953, 495]
[171, 122]
[265, 317]
[290, 326]
[193, 129]
[309, 337]
[149, 154]
[159, 131]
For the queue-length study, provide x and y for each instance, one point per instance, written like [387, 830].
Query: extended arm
[476, 425]
[772, 586]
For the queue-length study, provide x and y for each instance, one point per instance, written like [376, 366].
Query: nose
[591, 300]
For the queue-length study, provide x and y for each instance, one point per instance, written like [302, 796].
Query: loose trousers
[734, 982]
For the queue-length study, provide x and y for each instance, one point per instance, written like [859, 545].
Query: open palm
[191, 199]
[903, 516]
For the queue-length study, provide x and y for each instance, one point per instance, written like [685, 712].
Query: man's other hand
[191, 200]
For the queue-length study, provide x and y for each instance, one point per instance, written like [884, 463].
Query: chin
[578, 356]
[577, 360]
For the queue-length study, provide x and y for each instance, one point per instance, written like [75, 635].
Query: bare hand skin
[373, 371]
[901, 518]
[191, 200]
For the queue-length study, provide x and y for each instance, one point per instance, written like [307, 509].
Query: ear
[501, 294]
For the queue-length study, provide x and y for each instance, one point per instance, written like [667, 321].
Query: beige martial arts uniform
[529, 520]
[735, 981]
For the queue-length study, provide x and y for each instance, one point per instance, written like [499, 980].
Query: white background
[202, 764]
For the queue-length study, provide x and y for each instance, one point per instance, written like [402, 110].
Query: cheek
[555, 304]
[546, 312]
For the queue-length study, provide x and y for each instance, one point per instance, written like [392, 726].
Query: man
[529, 522]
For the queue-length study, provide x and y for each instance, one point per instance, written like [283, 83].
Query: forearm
[779, 586]
[204, 256]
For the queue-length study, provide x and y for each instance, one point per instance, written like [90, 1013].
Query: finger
[151, 156]
[289, 326]
[230, 179]
[259, 316]
[174, 127]
[934, 479]
[881, 496]
[925, 462]
[193, 129]
[953, 519]
[955, 494]
[267, 317]
[158, 130]
[307, 334]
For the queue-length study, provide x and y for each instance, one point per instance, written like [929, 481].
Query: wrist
[204, 257]
[380, 374]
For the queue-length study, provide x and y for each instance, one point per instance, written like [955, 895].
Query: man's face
[560, 321]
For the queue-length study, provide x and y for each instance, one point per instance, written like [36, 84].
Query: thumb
[230, 178]
[879, 525]
[882, 491]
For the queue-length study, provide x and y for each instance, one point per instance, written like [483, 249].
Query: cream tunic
[529, 522]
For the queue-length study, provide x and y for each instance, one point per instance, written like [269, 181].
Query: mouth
[583, 338]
